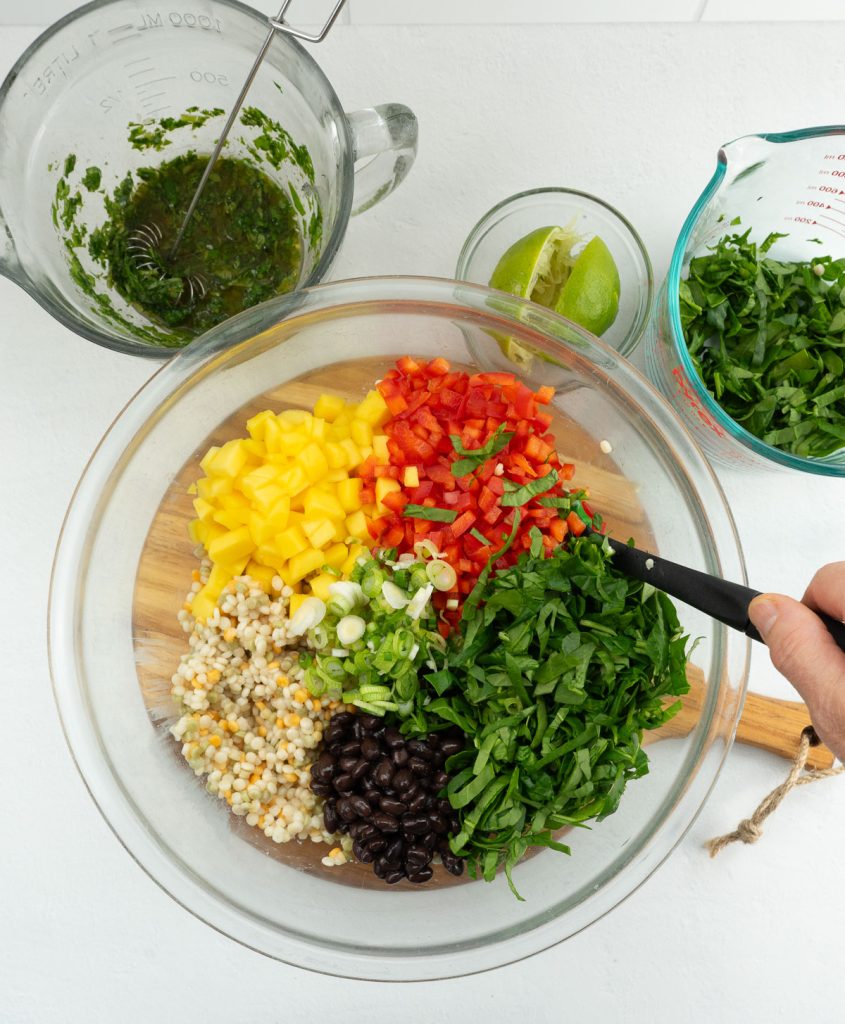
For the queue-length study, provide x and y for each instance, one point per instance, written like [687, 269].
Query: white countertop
[635, 114]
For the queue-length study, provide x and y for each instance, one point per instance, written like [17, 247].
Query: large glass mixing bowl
[123, 565]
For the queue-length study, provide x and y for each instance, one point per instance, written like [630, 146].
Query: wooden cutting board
[164, 576]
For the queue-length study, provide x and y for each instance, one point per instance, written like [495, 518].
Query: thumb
[802, 650]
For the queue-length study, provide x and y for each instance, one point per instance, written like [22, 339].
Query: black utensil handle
[728, 602]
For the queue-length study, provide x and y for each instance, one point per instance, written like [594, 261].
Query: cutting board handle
[775, 725]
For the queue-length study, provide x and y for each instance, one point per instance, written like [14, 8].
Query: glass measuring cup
[112, 63]
[792, 183]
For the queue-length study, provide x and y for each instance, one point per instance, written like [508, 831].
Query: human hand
[802, 649]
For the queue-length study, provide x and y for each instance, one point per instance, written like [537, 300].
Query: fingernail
[763, 611]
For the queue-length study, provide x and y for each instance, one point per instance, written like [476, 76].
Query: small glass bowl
[588, 216]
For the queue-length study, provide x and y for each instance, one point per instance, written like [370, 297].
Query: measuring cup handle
[386, 138]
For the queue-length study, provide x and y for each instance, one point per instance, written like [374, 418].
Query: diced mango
[313, 461]
[353, 452]
[329, 407]
[217, 579]
[208, 459]
[356, 525]
[373, 410]
[292, 480]
[318, 428]
[355, 552]
[296, 602]
[204, 509]
[232, 518]
[269, 496]
[340, 428]
[203, 605]
[233, 500]
[385, 485]
[232, 546]
[411, 477]
[256, 425]
[273, 436]
[294, 418]
[349, 494]
[318, 503]
[320, 585]
[380, 449]
[361, 432]
[308, 561]
[262, 574]
[336, 555]
[291, 542]
[229, 460]
[319, 532]
[335, 455]
[269, 554]
[261, 529]
[292, 442]
[255, 450]
[257, 478]
[196, 531]
[211, 488]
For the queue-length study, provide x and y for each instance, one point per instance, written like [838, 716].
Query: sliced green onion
[441, 574]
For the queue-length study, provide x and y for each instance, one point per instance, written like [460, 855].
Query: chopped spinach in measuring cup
[768, 340]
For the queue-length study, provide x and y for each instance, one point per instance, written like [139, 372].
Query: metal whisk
[145, 241]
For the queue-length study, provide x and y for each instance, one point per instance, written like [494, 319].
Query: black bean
[400, 757]
[411, 792]
[370, 748]
[395, 850]
[420, 749]
[423, 875]
[391, 805]
[331, 819]
[323, 767]
[444, 807]
[380, 867]
[443, 845]
[321, 788]
[367, 831]
[363, 853]
[419, 766]
[356, 828]
[347, 762]
[345, 810]
[393, 738]
[357, 731]
[417, 857]
[433, 740]
[402, 780]
[454, 865]
[368, 786]
[369, 723]
[377, 845]
[449, 746]
[360, 804]
[438, 760]
[418, 802]
[360, 770]
[344, 783]
[352, 747]
[385, 822]
[438, 823]
[454, 824]
[392, 877]
[415, 824]
[439, 780]
[383, 774]
[429, 840]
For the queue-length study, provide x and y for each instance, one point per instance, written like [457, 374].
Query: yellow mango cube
[217, 579]
[233, 546]
[380, 449]
[262, 574]
[329, 407]
[301, 565]
[256, 425]
[318, 503]
[257, 478]
[233, 500]
[348, 494]
[232, 518]
[335, 455]
[229, 460]
[373, 410]
[255, 450]
[361, 432]
[290, 541]
[296, 602]
[207, 460]
[292, 442]
[273, 436]
[385, 485]
[356, 525]
[261, 529]
[204, 509]
[336, 555]
[411, 477]
[294, 417]
[319, 531]
[340, 428]
[292, 480]
[355, 552]
[353, 452]
[211, 488]
[313, 461]
[320, 585]
[268, 554]
[318, 428]
[203, 605]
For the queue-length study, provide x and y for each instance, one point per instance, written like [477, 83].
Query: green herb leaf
[476, 457]
[435, 515]
[517, 495]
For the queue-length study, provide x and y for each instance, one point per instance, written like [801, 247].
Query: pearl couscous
[246, 722]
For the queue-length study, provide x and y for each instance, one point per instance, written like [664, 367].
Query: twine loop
[750, 829]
